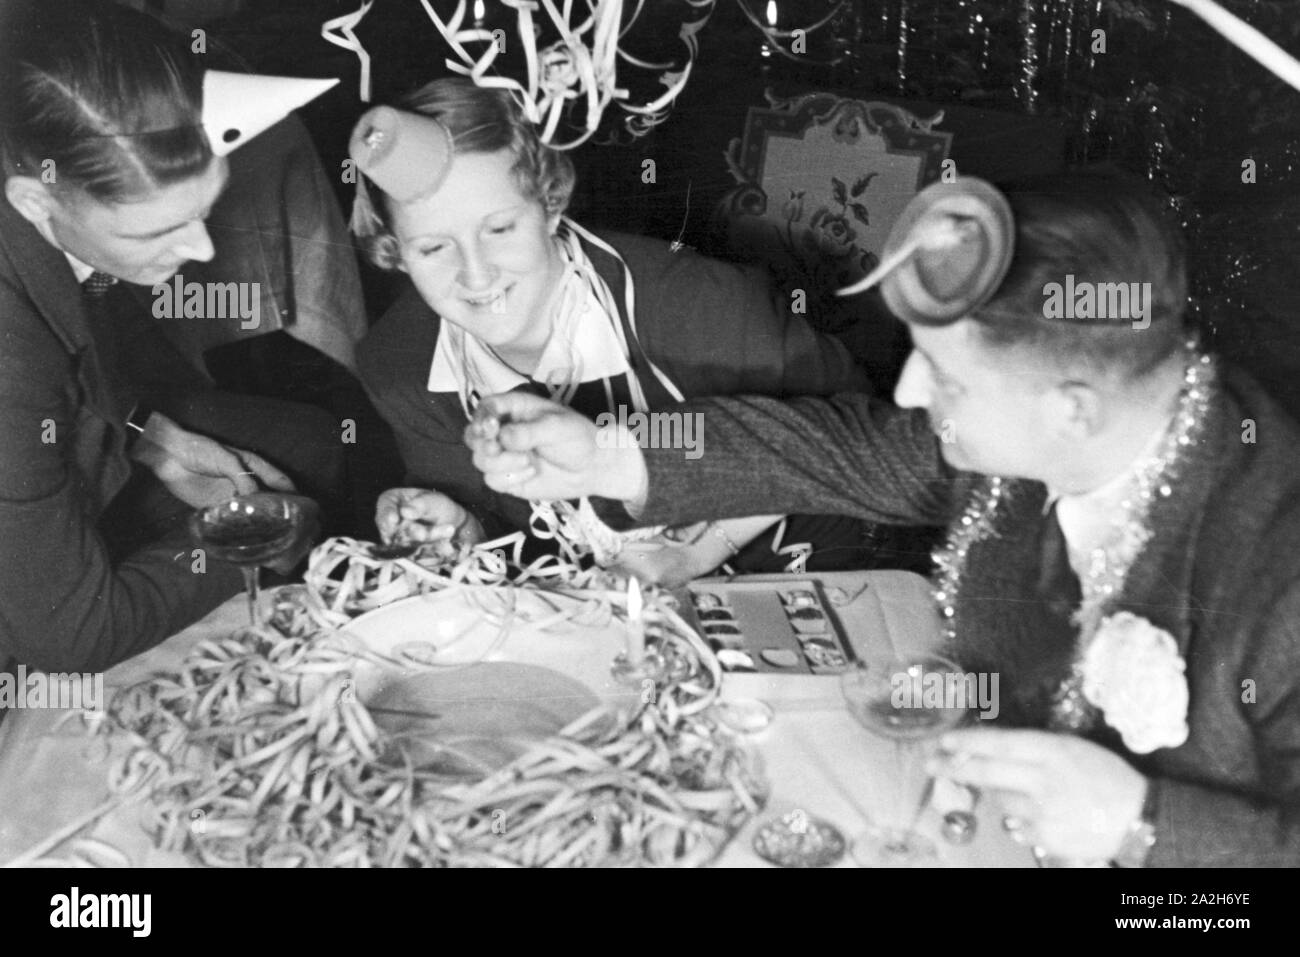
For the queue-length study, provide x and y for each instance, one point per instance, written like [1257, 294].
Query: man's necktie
[94, 296]
[97, 284]
[99, 312]
[1058, 585]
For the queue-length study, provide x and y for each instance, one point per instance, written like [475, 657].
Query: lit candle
[765, 50]
[480, 11]
[635, 626]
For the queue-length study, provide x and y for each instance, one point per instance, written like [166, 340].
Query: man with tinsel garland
[1123, 516]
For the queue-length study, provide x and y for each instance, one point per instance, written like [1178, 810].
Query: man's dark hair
[1100, 227]
[110, 95]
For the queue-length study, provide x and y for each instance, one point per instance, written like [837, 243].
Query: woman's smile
[492, 301]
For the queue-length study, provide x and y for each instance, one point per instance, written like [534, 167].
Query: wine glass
[896, 700]
[248, 531]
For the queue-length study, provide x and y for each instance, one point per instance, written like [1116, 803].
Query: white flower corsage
[1132, 671]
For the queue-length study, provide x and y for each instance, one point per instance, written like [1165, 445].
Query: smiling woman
[506, 292]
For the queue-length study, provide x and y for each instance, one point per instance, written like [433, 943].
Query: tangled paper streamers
[257, 752]
[260, 750]
[345, 579]
[566, 86]
[579, 71]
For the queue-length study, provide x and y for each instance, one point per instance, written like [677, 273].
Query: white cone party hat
[238, 106]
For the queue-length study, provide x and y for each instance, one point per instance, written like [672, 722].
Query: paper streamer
[347, 39]
[1247, 39]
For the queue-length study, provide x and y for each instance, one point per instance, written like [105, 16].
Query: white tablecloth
[816, 757]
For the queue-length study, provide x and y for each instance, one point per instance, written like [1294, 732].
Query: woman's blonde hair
[480, 121]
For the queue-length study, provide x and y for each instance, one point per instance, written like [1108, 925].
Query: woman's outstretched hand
[411, 515]
[534, 448]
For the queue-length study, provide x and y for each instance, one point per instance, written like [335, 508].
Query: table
[817, 758]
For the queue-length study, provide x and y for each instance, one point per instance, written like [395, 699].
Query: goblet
[896, 700]
[248, 531]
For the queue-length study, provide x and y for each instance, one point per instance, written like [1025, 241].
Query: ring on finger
[1017, 827]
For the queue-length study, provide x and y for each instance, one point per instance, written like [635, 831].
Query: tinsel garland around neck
[1108, 566]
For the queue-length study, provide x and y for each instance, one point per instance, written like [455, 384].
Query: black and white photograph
[651, 433]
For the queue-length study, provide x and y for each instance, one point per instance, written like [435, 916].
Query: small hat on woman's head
[406, 154]
[238, 106]
[946, 254]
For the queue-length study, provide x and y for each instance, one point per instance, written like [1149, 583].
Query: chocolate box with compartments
[787, 627]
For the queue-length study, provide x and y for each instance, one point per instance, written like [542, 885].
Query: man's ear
[1075, 411]
[28, 195]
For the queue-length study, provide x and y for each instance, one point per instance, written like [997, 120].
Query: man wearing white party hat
[113, 143]
[1123, 512]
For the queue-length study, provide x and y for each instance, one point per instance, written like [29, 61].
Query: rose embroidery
[822, 252]
[832, 233]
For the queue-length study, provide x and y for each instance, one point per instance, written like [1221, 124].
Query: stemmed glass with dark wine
[248, 531]
[889, 700]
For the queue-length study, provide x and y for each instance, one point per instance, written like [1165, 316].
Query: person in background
[506, 292]
[1125, 511]
[108, 175]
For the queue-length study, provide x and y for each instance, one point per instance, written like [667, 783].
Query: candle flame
[480, 10]
[634, 602]
[771, 13]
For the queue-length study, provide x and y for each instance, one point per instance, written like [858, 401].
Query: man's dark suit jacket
[65, 603]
